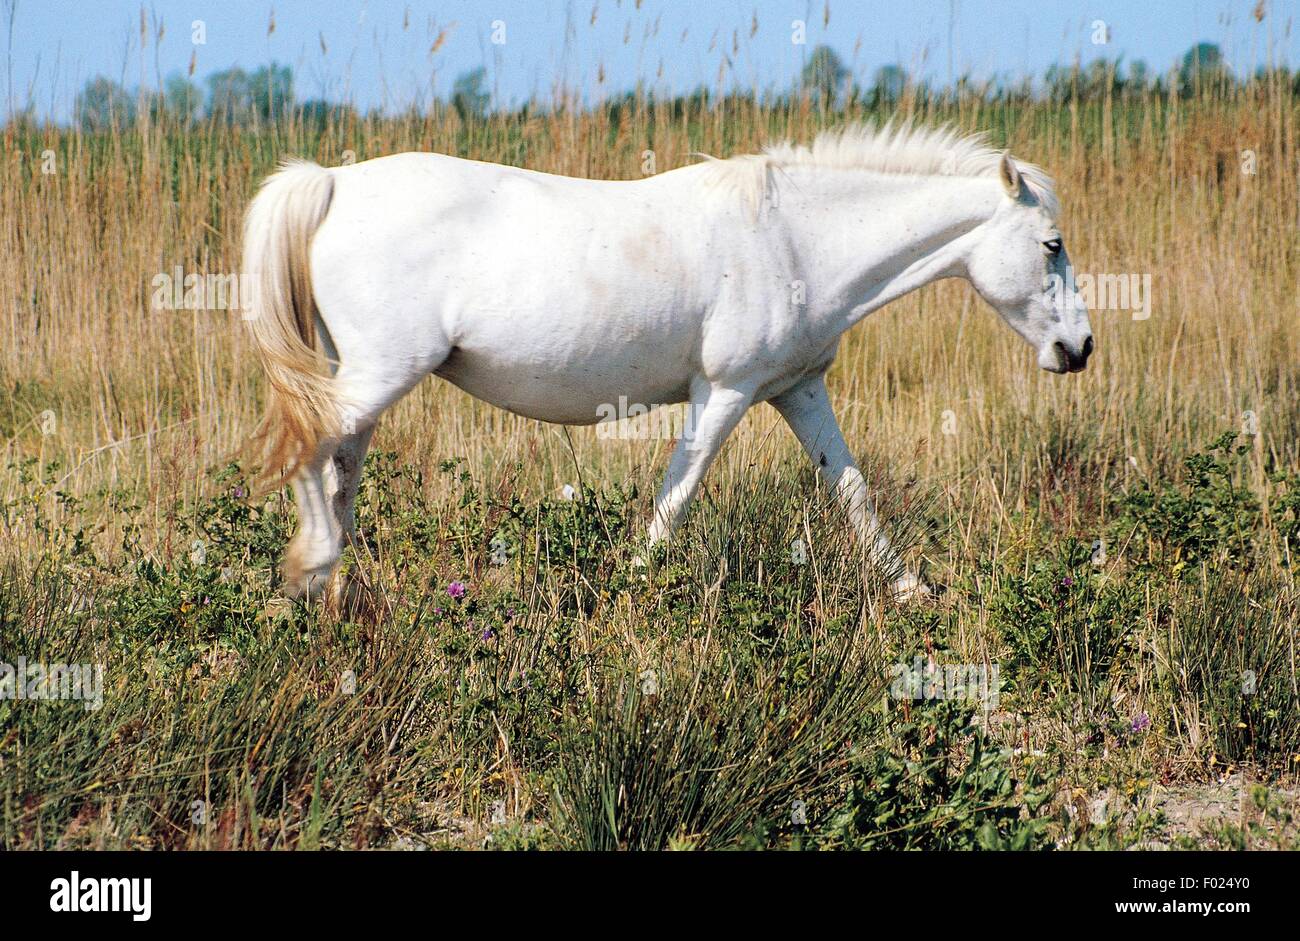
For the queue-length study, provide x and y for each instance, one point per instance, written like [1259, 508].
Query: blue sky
[377, 52]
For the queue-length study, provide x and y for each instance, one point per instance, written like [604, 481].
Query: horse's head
[1020, 266]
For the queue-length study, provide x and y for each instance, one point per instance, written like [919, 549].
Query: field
[1120, 545]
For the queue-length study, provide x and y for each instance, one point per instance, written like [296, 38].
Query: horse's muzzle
[1073, 360]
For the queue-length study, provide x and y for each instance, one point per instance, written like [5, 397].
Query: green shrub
[935, 782]
[1211, 514]
[1066, 623]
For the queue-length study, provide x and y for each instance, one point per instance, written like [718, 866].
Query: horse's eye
[1053, 246]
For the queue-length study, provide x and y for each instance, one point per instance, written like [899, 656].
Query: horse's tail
[302, 406]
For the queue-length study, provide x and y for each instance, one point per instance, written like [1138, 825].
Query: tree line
[265, 94]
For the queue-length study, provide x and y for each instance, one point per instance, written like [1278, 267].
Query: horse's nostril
[1072, 360]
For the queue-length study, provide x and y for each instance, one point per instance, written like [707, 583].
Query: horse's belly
[574, 392]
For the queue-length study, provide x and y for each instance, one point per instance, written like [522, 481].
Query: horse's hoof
[307, 585]
[910, 589]
[276, 610]
[349, 598]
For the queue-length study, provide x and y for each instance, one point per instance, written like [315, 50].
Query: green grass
[731, 693]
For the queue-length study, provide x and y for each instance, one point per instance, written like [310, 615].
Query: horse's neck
[866, 239]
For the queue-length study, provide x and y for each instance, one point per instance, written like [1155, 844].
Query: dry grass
[145, 399]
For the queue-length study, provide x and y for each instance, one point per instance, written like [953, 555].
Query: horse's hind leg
[326, 493]
[326, 488]
[315, 548]
[349, 458]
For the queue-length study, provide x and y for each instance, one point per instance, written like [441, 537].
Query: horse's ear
[1009, 174]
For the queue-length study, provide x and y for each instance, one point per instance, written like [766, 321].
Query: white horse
[722, 284]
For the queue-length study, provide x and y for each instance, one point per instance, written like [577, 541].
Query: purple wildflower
[456, 590]
[1141, 722]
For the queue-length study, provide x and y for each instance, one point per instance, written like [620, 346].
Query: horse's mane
[903, 148]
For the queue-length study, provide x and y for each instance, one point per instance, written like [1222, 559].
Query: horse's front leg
[714, 412]
[806, 408]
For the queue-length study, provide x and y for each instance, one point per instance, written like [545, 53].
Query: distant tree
[469, 96]
[1100, 78]
[1279, 75]
[888, 85]
[182, 99]
[229, 97]
[1138, 79]
[1056, 81]
[1268, 74]
[624, 104]
[1088, 83]
[1202, 66]
[316, 111]
[824, 76]
[697, 102]
[103, 104]
[272, 90]
[241, 97]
